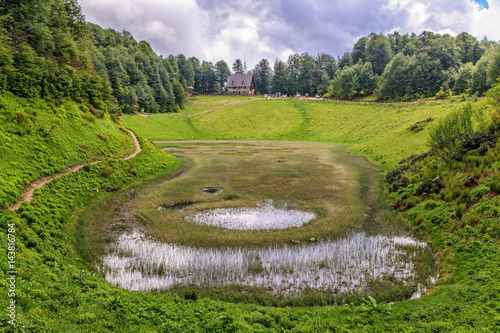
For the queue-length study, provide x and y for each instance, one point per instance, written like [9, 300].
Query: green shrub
[459, 210]
[465, 196]
[103, 137]
[441, 94]
[430, 186]
[495, 184]
[191, 294]
[412, 202]
[88, 117]
[480, 191]
[107, 171]
[447, 136]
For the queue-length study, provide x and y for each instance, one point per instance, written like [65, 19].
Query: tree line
[47, 50]
[392, 67]
[138, 77]
[43, 53]
[389, 67]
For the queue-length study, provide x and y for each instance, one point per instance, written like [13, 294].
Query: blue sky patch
[483, 3]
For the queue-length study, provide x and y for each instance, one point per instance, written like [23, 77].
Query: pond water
[265, 217]
[351, 264]
[177, 207]
[212, 190]
[344, 265]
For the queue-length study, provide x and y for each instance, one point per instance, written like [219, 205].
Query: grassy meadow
[302, 174]
[58, 289]
[381, 132]
[290, 266]
[198, 104]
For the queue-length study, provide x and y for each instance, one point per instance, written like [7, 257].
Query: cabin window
[243, 83]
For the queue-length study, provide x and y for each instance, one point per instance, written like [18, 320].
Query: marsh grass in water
[349, 265]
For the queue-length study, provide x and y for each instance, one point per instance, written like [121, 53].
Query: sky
[214, 30]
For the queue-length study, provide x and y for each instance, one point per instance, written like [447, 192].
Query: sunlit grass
[383, 136]
[199, 104]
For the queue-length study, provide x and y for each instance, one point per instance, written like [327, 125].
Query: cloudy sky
[252, 30]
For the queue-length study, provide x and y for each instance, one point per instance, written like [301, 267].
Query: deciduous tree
[378, 52]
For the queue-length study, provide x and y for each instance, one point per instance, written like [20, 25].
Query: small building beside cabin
[240, 84]
[191, 91]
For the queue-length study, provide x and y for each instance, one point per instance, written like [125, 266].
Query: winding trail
[27, 193]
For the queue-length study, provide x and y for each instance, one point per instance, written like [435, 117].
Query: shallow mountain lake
[295, 219]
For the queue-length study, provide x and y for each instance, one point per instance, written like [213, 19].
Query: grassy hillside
[39, 138]
[51, 279]
[373, 129]
[56, 291]
[47, 280]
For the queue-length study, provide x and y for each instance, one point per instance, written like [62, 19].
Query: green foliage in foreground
[38, 138]
[56, 292]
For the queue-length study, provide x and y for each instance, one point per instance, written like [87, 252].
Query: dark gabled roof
[238, 81]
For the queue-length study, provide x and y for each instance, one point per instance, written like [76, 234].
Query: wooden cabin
[240, 84]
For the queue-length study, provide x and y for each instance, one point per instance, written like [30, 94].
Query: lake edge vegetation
[45, 65]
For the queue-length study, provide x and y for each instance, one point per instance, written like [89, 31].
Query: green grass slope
[55, 290]
[198, 104]
[380, 132]
[38, 139]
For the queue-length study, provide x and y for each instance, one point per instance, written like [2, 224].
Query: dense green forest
[389, 67]
[61, 80]
[49, 51]
[139, 79]
[43, 47]
[53, 53]
[392, 67]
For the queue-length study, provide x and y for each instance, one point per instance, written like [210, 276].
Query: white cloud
[486, 21]
[449, 16]
[251, 30]
[418, 17]
[159, 31]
